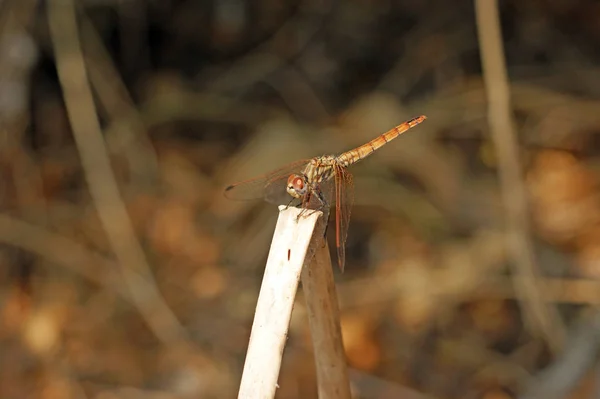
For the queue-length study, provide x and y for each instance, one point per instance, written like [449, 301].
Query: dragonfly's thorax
[320, 169]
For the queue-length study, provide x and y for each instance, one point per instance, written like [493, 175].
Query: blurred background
[474, 242]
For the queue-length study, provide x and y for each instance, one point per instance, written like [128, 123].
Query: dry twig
[98, 172]
[114, 98]
[539, 317]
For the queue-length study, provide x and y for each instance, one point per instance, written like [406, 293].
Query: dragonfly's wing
[344, 198]
[270, 186]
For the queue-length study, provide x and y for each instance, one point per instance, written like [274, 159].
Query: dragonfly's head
[296, 186]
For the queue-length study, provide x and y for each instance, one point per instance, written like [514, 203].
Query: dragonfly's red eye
[298, 183]
[296, 186]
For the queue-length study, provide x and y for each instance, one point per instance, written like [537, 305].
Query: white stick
[275, 301]
[324, 320]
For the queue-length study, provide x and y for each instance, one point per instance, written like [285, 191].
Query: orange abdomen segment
[356, 154]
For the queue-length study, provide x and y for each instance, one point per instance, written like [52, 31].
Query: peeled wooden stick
[275, 301]
[324, 320]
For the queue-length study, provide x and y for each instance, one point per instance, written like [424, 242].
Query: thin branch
[98, 172]
[539, 318]
[114, 98]
[578, 358]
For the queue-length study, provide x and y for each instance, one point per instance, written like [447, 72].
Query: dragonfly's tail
[355, 155]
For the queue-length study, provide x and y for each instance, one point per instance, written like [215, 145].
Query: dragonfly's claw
[305, 212]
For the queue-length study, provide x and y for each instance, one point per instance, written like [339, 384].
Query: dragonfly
[314, 183]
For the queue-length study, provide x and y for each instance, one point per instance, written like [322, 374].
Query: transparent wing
[344, 198]
[270, 186]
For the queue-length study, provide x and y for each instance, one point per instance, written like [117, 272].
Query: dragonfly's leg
[305, 201]
[326, 225]
[323, 205]
[290, 203]
[323, 201]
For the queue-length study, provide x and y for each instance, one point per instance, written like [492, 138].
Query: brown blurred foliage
[138, 278]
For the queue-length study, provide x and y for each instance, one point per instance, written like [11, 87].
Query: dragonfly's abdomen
[355, 155]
